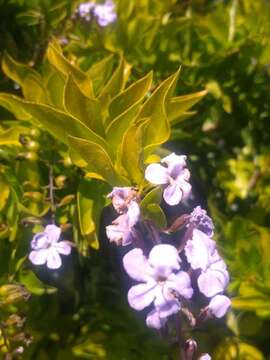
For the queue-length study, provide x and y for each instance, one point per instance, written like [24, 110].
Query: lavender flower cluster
[172, 275]
[104, 13]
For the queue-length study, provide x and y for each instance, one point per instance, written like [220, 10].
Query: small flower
[219, 305]
[105, 13]
[84, 10]
[201, 221]
[175, 175]
[121, 231]
[205, 357]
[215, 279]
[200, 250]
[202, 254]
[160, 284]
[46, 248]
[121, 198]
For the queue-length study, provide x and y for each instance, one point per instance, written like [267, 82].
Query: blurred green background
[223, 47]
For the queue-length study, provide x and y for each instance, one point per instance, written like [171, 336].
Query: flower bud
[12, 293]
[190, 348]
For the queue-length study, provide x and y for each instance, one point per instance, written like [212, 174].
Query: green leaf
[90, 204]
[55, 84]
[26, 77]
[87, 110]
[154, 213]
[157, 130]
[131, 154]
[15, 105]
[34, 285]
[177, 106]
[57, 59]
[133, 94]
[182, 117]
[57, 122]
[116, 130]
[116, 84]
[99, 72]
[98, 159]
[154, 196]
[30, 17]
[4, 194]
[11, 136]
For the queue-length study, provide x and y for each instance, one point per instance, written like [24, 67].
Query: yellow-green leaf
[116, 84]
[26, 77]
[131, 154]
[133, 94]
[177, 106]
[157, 130]
[87, 110]
[100, 72]
[97, 158]
[57, 59]
[117, 128]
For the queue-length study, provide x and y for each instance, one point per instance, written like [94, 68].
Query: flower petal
[219, 305]
[199, 250]
[119, 196]
[40, 241]
[172, 194]
[53, 232]
[133, 213]
[140, 296]
[165, 303]
[53, 259]
[212, 282]
[164, 259]
[38, 257]
[63, 247]
[205, 357]
[175, 163]
[156, 174]
[136, 265]
[181, 283]
[154, 321]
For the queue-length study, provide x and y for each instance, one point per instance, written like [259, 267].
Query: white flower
[175, 175]
[214, 279]
[205, 357]
[219, 305]
[84, 10]
[121, 231]
[105, 13]
[46, 248]
[200, 250]
[160, 284]
[202, 254]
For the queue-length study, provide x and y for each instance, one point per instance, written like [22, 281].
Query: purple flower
[160, 283]
[214, 279]
[200, 250]
[173, 175]
[202, 254]
[201, 221]
[84, 10]
[46, 248]
[124, 201]
[219, 305]
[121, 198]
[105, 13]
[205, 357]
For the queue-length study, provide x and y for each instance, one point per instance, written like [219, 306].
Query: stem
[51, 192]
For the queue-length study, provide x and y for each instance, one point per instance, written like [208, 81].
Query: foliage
[88, 109]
